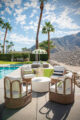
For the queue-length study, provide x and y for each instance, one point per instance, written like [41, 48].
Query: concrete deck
[40, 108]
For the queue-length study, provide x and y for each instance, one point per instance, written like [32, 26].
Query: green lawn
[9, 62]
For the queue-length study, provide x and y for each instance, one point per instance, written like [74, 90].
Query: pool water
[6, 70]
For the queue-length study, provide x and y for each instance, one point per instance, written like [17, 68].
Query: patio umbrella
[39, 51]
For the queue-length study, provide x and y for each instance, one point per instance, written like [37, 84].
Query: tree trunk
[4, 41]
[37, 35]
[48, 45]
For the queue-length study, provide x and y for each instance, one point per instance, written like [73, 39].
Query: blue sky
[23, 15]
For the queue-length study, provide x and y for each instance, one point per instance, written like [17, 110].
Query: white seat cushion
[27, 71]
[36, 63]
[14, 77]
[60, 90]
[15, 94]
[57, 77]
[28, 76]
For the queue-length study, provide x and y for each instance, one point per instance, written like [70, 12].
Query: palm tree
[0, 47]
[46, 30]
[1, 22]
[7, 26]
[24, 49]
[44, 45]
[41, 7]
[7, 42]
[11, 45]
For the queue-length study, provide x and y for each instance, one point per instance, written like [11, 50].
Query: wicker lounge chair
[77, 79]
[36, 64]
[27, 74]
[45, 65]
[59, 70]
[16, 93]
[62, 91]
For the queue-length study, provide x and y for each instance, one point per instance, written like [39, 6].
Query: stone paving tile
[40, 108]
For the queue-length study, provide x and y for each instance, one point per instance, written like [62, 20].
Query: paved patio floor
[40, 108]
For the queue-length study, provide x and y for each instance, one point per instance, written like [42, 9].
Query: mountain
[66, 43]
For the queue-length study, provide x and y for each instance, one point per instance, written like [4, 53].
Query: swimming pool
[8, 69]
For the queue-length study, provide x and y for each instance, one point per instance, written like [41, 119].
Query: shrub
[5, 57]
[42, 57]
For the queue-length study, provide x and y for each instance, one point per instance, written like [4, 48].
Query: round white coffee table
[40, 84]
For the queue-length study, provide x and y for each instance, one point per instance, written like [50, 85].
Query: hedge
[42, 57]
[7, 57]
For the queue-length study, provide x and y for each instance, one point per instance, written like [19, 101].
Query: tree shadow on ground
[5, 113]
[55, 111]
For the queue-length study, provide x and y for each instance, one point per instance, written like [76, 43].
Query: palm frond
[8, 26]
[48, 28]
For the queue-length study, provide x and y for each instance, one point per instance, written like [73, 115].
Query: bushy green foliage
[42, 57]
[32, 57]
[20, 55]
[7, 57]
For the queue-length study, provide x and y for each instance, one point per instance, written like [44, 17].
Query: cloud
[77, 11]
[2, 12]
[0, 5]
[33, 13]
[17, 2]
[18, 38]
[49, 16]
[18, 11]
[21, 19]
[8, 10]
[75, 3]
[31, 4]
[60, 33]
[10, 3]
[49, 7]
[64, 21]
[1, 36]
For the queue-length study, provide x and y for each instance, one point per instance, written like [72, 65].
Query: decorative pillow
[59, 84]
[27, 72]
[60, 69]
[70, 74]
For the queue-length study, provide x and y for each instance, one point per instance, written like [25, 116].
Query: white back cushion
[15, 86]
[68, 83]
[70, 74]
[7, 84]
[59, 68]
